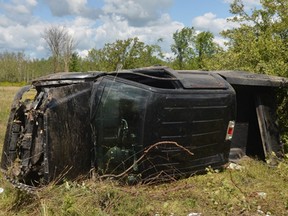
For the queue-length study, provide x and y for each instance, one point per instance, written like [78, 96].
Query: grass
[6, 98]
[256, 189]
[9, 84]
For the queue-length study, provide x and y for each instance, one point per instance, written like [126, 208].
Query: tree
[183, 45]
[61, 46]
[205, 48]
[17, 67]
[13, 67]
[192, 49]
[260, 44]
[130, 53]
[74, 63]
[69, 45]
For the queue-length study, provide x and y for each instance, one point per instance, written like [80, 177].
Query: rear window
[202, 80]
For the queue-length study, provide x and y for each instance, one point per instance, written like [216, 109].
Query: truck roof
[188, 78]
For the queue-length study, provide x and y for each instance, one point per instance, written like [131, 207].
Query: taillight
[230, 130]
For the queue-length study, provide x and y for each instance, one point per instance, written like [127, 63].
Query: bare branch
[144, 154]
[61, 45]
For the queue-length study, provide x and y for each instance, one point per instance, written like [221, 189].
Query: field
[255, 189]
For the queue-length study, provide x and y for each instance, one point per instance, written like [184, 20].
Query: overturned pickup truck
[142, 122]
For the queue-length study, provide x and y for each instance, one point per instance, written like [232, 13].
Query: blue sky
[186, 10]
[92, 23]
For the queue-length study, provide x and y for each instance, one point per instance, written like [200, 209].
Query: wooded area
[259, 44]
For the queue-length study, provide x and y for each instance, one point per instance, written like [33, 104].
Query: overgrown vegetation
[260, 44]
[256, 190]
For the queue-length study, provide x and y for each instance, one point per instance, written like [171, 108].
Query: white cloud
[137, 12]
[76, 6]
[210, 22]
[40, 48]
[59, 8]
[82, 21]
[32, 2]
[18, 37]
[111, 27]
[17, 7]
[19, 11]
[6, 22]
[72, 7]
[82, 53]
[220, 41]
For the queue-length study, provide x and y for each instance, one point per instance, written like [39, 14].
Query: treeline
[17, 67]
[191, 50]
[259, 44]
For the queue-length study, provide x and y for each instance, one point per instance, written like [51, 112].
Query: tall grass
[6, 98]
[256, 189]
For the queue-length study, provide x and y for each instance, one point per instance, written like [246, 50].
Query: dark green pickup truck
[141, 122]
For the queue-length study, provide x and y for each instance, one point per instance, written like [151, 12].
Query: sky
[92, 23]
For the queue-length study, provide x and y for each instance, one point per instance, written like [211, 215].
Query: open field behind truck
[6, 97]
[255, 189]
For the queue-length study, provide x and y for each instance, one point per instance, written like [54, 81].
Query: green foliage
[183, 46]
[74, 65]
[256, 189]
[126, 54]
[18, 68]
[282, 101]
[13, 66]
[192, 50]
[205, 48]
[260, 43]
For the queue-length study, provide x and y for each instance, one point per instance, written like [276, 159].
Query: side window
[118, 125]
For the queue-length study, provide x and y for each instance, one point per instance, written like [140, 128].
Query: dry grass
[6, 98]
